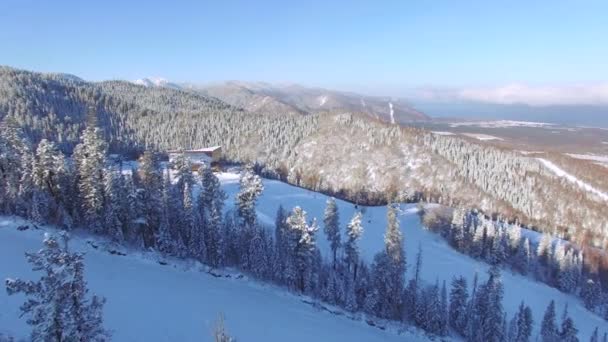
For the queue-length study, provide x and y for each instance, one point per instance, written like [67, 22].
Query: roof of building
[206, 149]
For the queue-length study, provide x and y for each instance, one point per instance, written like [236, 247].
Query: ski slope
[149, 302]
[559, 172]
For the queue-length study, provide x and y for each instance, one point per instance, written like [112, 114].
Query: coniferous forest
[157, 208]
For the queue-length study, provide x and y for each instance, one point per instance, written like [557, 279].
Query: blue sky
[374, 45]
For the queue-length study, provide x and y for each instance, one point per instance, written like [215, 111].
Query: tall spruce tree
[354, 231]
[90, 159]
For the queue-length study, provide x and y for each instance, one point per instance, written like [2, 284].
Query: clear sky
[343, 44]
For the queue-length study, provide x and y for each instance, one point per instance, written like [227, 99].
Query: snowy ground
[151, 302]
[440, 261]
[559, 172]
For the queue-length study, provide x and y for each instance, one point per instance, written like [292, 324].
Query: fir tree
[57, 304]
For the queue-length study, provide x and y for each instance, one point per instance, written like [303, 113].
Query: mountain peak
[158, 82]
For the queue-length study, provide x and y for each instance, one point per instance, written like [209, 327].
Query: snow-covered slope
[151, 302]
[559, 172]
[440, 261]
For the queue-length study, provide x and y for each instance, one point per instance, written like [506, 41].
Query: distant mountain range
[259, 97]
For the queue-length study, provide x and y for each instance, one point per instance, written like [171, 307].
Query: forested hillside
[347, 154]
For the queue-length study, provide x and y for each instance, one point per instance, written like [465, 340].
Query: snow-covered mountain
[260, 97]
[156, 82]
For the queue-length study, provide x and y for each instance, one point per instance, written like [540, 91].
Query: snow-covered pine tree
[568, 331]
[488, 312]
[57, 304]
[13, 148]
[111, 220]
[281, 236]
[523, 257]
[151, 183]
[250, 188]
[90, 159]
[393, 245]
[48, 176]
[210, 206]
[458, 305]
[548, 330]
[331, 227]
[302, 247]
[183, 172]
[354, 231]
[258, 263]
[191, 225]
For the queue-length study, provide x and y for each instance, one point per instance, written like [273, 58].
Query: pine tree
[57, 305]
[458, 305]
[48, 175]
[150, 182]
[281, 236]
[183, 172]
[523, 257]
[393, 242]
[256, 252]
[191, 226]
[568, 331]
[488, 313]
[548, 330]
[13, 149]
[90, 159]
[331, 227]
[210, 207]
[112, 224]
[250, 188]
[524, 323]
[354, 230]
[302, 247]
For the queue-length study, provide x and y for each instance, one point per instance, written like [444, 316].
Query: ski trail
[581, 184]
[392, 112]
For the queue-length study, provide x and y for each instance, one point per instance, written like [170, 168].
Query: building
[209, 155]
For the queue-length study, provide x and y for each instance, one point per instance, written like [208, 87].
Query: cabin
[208, 155]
